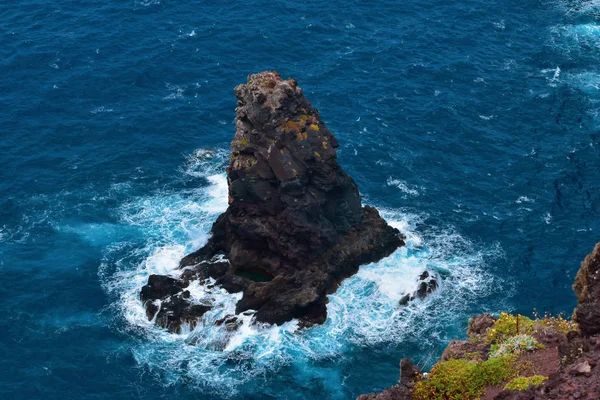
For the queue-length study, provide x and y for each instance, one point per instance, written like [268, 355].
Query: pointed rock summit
[295, 226]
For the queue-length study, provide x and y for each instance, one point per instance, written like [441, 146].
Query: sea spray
[363, 312]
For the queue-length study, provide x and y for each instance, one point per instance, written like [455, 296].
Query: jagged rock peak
[283, 169]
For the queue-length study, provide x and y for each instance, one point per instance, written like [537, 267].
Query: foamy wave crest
[587, 82]
[403, 186]
[363, 312]
[568, 36]
[578, 8]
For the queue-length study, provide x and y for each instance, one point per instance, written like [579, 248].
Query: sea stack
[295, 226]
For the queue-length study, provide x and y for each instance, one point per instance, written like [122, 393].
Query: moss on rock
[524, 382]
[462, 379]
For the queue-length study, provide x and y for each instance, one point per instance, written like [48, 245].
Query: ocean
[473, 126]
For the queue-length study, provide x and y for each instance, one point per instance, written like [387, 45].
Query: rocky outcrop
[587, 289]
[295, 226]
[479, 324]
[577, 375]
[564, 360]
[428, 283]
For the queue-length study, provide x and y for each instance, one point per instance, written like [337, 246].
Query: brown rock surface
[587, 289]
[479, 324]
[569, 358]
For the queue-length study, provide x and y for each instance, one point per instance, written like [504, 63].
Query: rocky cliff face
[587, 289]
[517, 358]
[295, 226]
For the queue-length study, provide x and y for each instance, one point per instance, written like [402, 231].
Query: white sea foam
[364, 311]
[587, 82]
[578, 8]
[101, 109]
[403, 186]
[176, 92]
[147, 3]
[582, 31]
[524, 199]
[552, 81]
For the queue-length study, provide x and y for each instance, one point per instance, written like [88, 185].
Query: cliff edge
[513, 357]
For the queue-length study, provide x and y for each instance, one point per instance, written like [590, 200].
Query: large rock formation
[294, 228]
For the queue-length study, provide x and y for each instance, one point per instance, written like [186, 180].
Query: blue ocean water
[472, 125]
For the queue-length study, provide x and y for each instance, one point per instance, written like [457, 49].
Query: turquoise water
[472, 126]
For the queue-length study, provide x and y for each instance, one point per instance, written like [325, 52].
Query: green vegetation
[515, 345]
[523, 382]
[509, 325]
[463, 380]
[509, 337]
[556, 324]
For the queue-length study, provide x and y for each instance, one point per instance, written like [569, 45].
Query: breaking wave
[363, 312]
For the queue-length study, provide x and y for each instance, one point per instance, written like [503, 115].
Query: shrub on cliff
[463, 380]
[524, 382]
[514, 345]
[509, 325]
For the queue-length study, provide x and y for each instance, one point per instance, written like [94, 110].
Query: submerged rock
[295, 226]
[426, 284]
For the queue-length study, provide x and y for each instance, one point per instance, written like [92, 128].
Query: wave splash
[363, 312]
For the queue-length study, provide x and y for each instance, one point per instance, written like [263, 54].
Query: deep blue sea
[472, 125]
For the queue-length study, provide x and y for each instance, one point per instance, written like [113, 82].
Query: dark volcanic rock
[408, 372]
[176, 311]
[427, 284]
[230, 322]
[587, 289]
[159, 287]
[295, 226]
[460, 349]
